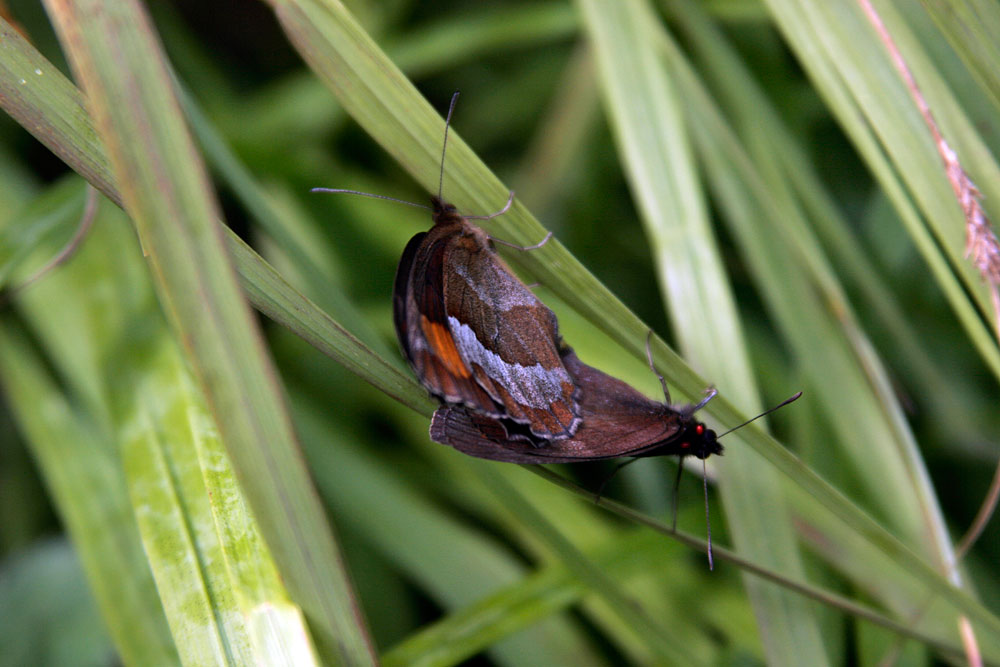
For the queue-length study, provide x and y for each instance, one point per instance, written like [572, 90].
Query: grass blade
[165, 191]
[647, 114]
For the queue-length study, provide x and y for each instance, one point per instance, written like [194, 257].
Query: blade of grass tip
[52, 110]
[115, 55]
[652, 138]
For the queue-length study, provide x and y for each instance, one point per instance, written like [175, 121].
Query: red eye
[699, 429]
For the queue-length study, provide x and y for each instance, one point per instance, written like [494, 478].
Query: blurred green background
[825, 255]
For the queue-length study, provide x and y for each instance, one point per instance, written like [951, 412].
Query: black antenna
[444, 144]
[510, 199]
[785, 402]
[447, 124]
[372, 195]
[444, 148]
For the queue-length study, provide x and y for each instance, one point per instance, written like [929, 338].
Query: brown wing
[487, 438]
[617, 421]
[509, 339]
[422, 326]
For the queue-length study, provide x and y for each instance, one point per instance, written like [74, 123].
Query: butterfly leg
[649, 358]
[604, 483]
[709, 395]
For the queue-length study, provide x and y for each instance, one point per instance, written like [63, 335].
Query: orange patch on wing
[443, 345]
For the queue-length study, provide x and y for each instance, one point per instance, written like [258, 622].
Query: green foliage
[238, 498]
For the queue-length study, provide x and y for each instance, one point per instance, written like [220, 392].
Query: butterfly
[618, 421]
[474, 334]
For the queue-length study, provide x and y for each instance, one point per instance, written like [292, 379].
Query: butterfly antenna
[372, 195]
[708, 524]
[444, 149]
[785, 402]
[444, 144]
[663, 383]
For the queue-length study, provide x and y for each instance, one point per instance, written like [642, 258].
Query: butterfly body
[476, 336]
[618, 421]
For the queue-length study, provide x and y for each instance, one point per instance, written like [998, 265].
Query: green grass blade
[665, 643]
[389, 108]
[790, 176]
[52, 111]
[453, 563]
[222, 159]
[165, 191]
[647, 114]
[83, 474]
[215, 579]
[851, 68]
[971, 27]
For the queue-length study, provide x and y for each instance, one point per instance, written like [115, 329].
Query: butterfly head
[441, 207]
[444, 213]
[699, 441]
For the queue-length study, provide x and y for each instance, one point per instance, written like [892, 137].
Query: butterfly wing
[487, 438]
[422, 326]
[617, 421]
[509, 339]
